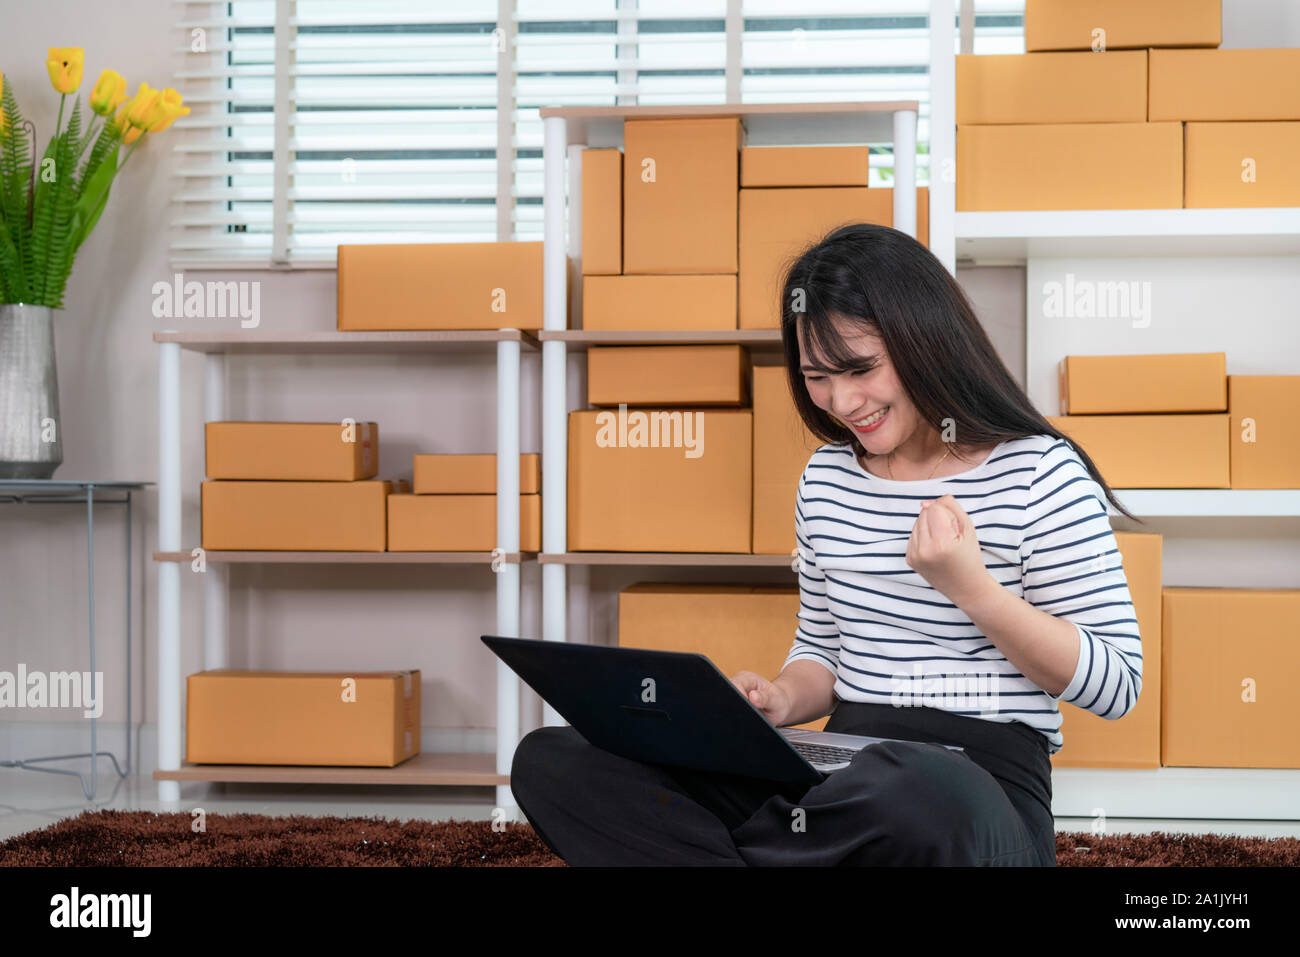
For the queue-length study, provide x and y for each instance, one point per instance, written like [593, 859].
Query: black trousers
[897, 803]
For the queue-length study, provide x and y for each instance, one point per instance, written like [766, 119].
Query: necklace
[890, 469]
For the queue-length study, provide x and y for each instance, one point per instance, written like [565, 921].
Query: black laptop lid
[660, 707]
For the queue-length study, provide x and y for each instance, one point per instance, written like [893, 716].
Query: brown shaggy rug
[142, 838]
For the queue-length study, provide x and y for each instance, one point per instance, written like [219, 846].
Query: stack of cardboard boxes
[452, 506]
[687, 228]
[1176, 420]
[294, 486]
[1125, 104]
[1218, 666]
[298, 486]
[729, 484]
[690, 449]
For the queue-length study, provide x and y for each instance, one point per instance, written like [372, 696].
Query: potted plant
[47, 211]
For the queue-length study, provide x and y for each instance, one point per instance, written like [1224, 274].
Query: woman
[950, 541]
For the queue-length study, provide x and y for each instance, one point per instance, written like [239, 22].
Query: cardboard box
[460, 473]
[660, 480]
[440, 286]
[302, 451]
[804, 166]
[1230, 670]
[1192, 85]
[602, 212]
[641, 303]
[1132, 741]
[782, 447]
[1153, 451]
[1127, 24]
[1264, 431]
[347, 719]
[667, 375]
[777, 225]
[737, 627]
[1167, 382]
[679, 195]
[457, 523]
[294, 516]
[1052, 88]
[1070, 166]
[1241, 164]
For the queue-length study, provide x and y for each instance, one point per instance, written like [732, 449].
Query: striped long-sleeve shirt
[890, 637]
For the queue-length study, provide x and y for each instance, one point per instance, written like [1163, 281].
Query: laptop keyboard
[821, 754]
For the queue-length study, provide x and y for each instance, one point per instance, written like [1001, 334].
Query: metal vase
[31, 436]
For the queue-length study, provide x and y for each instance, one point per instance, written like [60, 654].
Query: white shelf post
[905, 172]
[169, 573]
[555, 419]
[507, 572]
[216, 577]
[943, 134]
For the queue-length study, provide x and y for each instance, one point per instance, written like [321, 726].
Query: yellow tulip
[108, 92]
[65, 64]
[141, 106]
[166, 110]
[124, 129]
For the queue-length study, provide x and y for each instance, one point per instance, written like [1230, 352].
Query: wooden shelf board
[345, 558]
[344, 343]
[582, 338]
[665, 558]
[423, 769]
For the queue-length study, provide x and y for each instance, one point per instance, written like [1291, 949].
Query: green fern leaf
[15, 172]
[52, 182]
[63, 197]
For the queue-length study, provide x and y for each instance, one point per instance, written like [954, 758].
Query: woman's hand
[944, 550]
[767, 697]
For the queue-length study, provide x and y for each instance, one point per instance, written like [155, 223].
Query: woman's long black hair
[892, 286]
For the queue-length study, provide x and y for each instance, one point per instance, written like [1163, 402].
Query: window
[395, 111]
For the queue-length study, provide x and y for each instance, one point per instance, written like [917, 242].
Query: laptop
[672, 708]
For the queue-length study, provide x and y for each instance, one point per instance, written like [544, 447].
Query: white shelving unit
[1020, 238]
[427, 768]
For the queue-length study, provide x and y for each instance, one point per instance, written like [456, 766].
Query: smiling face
[857, 396]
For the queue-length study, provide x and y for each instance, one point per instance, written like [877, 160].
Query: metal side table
[58, 492]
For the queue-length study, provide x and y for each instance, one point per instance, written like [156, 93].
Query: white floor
[31, 800]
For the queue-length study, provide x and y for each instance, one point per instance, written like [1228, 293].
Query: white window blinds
[320, 122]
